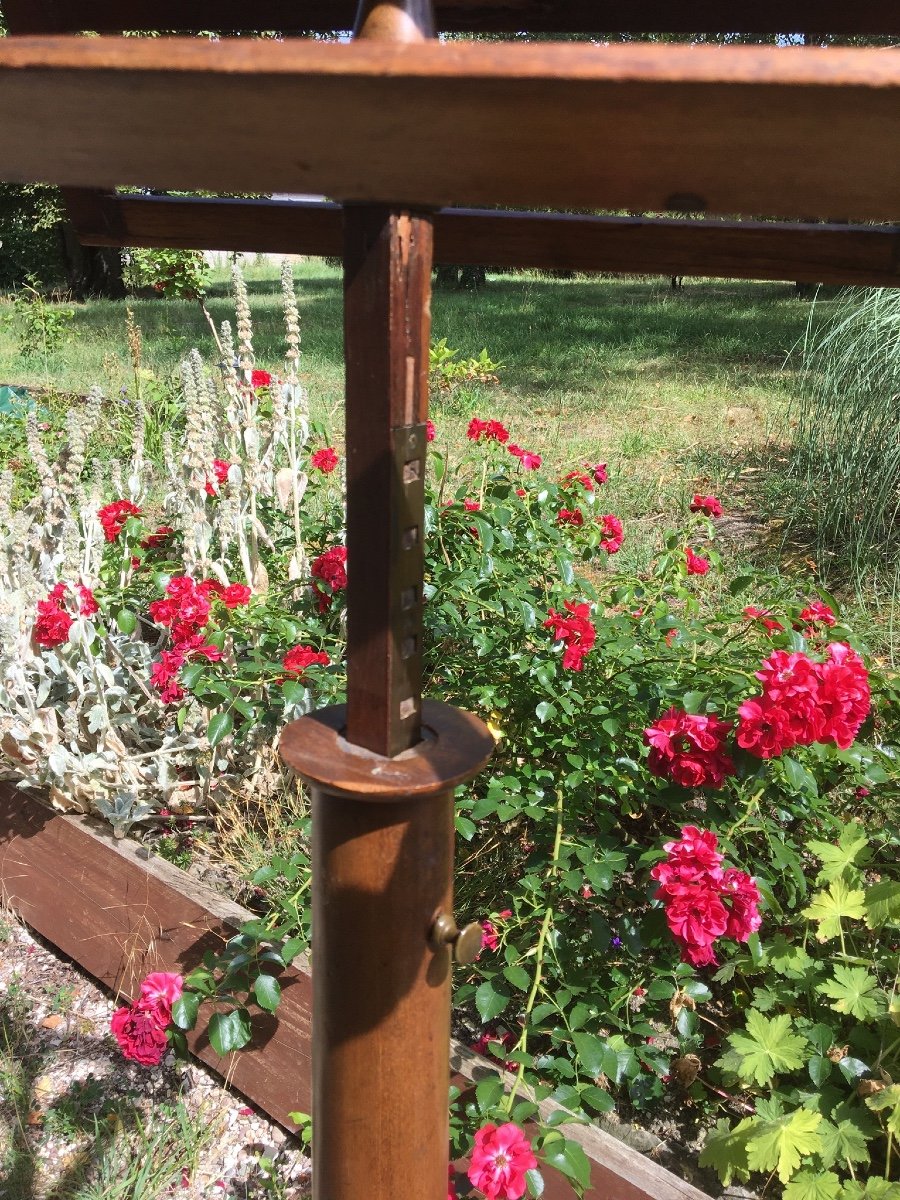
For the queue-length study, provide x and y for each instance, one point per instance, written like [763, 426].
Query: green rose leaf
[229, 1031]
[220, 726]
[184, 1010]
[489, 1002]
[267, 991]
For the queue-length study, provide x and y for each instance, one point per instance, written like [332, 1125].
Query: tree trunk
[90, 270]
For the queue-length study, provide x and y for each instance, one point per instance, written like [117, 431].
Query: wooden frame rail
[831, 253]
[127, 913]
[647, 128]
[487, 16]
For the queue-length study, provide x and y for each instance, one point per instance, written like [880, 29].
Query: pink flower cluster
[529, 461]
[329, 568]
[803, 701]
[575, 630]
[501, 1157]
[53, 621]
[113, 516]
[703, 900]
[491, 431]
[140, 1028]
[185, 611]
[689, 748]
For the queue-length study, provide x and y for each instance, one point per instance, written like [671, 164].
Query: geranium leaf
[842, 1141]
[882, 904]
[813, 1185]
[888, 1099]
[767, 1047]
[830, 907]
[852, 850]
[853, 991]
[781, 1145]
[725, 1150]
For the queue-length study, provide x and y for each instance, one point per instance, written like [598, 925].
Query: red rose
[220, 471]
[154, 540]
[574, 477]
[113, 516]
[689, 749]
[567, 516]
[489, 430]
[260, 379]
[296, 661]
[430, 431]
[52, 625]
[87, 601]
[529, 461]
[324, 460]
[159, 991]
[695, 564]
[139, 1034]
[576, 632]
[696, 916]
[235, 595]
[598, 471]
[751, 613]
[708, 505]
[611, 529]
[331, 569]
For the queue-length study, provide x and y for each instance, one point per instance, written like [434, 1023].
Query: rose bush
[625, 706]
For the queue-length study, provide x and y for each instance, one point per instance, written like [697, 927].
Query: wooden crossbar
[786, 132]
[843, 254]
[565, 16]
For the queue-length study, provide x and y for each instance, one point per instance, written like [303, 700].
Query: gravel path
[79, 1122]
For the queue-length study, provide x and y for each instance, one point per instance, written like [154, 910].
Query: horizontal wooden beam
[786, 132]
[489, 16]
[120, 913]
[844, 254]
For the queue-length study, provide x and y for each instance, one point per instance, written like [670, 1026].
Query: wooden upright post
[382, 769]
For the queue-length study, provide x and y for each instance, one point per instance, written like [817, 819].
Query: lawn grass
[677, 390]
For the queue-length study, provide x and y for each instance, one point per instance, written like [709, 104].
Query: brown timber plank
[120, 913]
[495, 16]
[841, 254]
[649, 128]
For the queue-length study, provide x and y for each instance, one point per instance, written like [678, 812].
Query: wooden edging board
[120, 913]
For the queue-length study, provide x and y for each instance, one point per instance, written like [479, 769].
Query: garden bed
[120, 913]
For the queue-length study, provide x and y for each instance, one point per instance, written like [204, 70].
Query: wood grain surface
[510, 16]
[740, 130]
[818, 253]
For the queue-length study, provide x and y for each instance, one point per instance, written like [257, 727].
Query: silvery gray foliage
[82, 720]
